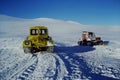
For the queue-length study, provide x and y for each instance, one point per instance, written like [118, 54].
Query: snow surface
[68, 62]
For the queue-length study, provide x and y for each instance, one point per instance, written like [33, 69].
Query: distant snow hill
[68, 62]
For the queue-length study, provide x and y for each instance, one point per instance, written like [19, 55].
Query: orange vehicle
[89, 39]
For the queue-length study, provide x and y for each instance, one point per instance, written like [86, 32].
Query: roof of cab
[38, 27]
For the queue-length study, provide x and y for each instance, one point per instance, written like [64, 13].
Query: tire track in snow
[73, 67]
[78, 69]
[8, 57]
[56, 72]
[58, 69]
[50, 74]
[76, 65]
[28, 71]
[11, 70]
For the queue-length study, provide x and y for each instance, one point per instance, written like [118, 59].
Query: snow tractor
[38, 40]
[89, 39]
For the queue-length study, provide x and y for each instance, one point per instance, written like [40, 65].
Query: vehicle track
[12, 71]
[56, 71]
[27, 70]
[74, 68]
[77, 66]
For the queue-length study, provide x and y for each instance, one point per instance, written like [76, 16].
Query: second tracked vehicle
[89, 39]
[38, 40]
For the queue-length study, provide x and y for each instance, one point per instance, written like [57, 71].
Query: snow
[49, 44]
[68, 62]
[103, 61]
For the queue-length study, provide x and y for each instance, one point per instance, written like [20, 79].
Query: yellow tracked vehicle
[38, 40]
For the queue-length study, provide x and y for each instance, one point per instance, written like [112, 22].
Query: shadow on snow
[72, 49]
[106, 42]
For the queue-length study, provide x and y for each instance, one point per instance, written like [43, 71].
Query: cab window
[34, 32]
[83, 35]
[43, 31]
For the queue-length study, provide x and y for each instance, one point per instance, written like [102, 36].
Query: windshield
[38, 32]
[83, 35]
[43, 31]
[34, 32]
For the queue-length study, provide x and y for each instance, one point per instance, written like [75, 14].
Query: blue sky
[89, 12]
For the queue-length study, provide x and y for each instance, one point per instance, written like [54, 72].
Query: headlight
[27, 42]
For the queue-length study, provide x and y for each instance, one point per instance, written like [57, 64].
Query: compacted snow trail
[77, 66]
[28, 69]
[16, 65]
[11, 66]
[49, 67]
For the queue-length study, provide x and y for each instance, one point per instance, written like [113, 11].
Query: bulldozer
[38, 40]
[89, 39]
